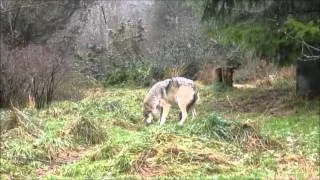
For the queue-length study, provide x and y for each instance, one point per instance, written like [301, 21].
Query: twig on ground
[230, 103]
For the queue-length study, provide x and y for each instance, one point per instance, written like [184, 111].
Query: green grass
[300, 132]
[103, 136]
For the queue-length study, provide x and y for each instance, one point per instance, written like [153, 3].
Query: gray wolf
[164, 94]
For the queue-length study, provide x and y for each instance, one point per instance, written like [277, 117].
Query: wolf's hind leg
[164, 113]
[194, 113]
[192, 104]
[183, 113]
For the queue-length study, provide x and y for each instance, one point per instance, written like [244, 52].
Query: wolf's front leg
[184, 115]
[194, 113]
[164, 113]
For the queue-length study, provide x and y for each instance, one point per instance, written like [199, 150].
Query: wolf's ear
[168, 86]
[172, 84]
[176, 84]
[163, 92]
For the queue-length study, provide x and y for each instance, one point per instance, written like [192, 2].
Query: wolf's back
[182, 81]
[162, 88]
[156, 92]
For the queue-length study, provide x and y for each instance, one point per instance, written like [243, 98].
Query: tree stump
[224, 75]
[308, 78]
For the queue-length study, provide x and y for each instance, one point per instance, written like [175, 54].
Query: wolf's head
[150, 111]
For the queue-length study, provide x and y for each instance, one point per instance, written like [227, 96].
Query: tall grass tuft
[213, 126]
[88, 130]
[244, 135]
[123, 164]
[216, 126]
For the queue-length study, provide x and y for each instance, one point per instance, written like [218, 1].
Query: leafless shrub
[175, 70]
[31, 71]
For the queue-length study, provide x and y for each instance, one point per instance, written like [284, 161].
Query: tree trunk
[308, 78]
[224, 75]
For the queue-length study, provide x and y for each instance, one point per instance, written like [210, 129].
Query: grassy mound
[103, 137]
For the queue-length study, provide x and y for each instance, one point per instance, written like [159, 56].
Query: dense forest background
[51, 48]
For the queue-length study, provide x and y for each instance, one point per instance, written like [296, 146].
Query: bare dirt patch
[127, 125]
[143, 167]
[65, 157]
[287, 160]
[270, 102]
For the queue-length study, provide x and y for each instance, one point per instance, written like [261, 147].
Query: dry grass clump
[162, 138]
[168, 157]
[261, 73]
[88, 130]
[175, 71]
[143, 166]
[16, 133]
[288, 72]
[250, 139]
[17, 118]
[25, 141]
[207, 74]
[265, 81]
[193, 156]
[8, 121]
[284, 75]
[254, 69]
[105, 152]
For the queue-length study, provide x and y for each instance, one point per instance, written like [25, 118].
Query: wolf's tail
[196, 98]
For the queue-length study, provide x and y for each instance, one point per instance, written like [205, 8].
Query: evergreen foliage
[281, 30]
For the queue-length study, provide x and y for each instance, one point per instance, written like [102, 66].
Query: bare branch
[26, 6]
